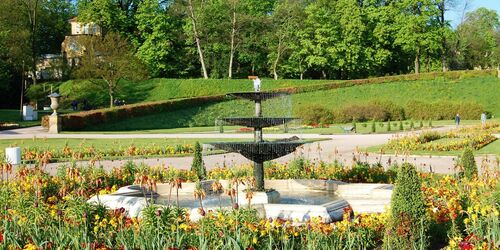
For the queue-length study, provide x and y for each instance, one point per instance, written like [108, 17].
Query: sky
[455, 14]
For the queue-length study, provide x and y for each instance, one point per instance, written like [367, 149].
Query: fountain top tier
[258, 96]
[257, 122]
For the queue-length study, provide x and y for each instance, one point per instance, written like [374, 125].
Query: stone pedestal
[266, 197]
[54, 124]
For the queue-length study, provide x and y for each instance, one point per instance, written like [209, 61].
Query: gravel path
[335, 147]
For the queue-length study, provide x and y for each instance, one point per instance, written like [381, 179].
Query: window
[86, 29]
[77, 28]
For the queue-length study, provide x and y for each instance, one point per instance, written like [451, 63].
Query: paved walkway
[343, 148]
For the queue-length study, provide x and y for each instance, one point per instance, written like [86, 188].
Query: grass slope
[483, 90]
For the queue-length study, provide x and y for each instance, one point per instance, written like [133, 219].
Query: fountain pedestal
[260, 197]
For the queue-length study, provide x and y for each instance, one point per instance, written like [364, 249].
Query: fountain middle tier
[259, 151]
[258, 122]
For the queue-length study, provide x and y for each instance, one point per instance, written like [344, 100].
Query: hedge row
[389, 111]
[81, 120]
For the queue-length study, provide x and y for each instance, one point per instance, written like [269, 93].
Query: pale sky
[455, 14]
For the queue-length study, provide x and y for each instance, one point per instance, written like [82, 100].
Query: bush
[443, 110]
[468, 164]
[401, 125]
[316, 114]
[374, 129]
[408, 224]
[375, 110]
[198, 166]
[388, 126]
[82, 120]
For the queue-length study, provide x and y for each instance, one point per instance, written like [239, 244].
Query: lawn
[107, 148]
[361, 128]
[463, 90]
[161, 89]
[14, 116]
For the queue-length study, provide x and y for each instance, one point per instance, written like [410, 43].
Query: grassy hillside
[483, 90]
[164, 89]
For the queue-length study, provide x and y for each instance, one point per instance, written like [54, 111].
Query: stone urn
[54, 102]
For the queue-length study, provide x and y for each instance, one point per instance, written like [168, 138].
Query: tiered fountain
[259, 150]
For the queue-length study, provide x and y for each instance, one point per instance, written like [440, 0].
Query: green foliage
[430, 124]
[388, 125]
[401, 125]
[408, 221]
[316, 114]
[374, 128]
[421, 124]
[354, 124]
[412, 125]
[443, 110]
[373, 110]
[114, 63]
[468, 164]
[198, 166]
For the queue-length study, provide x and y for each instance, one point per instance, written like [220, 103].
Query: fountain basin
[259, 151]
[257, 122]
[300, 200]
[258, 96]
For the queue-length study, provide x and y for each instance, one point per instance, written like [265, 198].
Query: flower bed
[49, 212]
[475, 137]
[88, 152]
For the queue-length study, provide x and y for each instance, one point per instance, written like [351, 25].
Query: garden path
[337, 147]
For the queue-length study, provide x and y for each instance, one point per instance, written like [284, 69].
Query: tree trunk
[444, 50]
[111, 95]
[275, 63]
[197, 39]
[417, 62]
[233, 33]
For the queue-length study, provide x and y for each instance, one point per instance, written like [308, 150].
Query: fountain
[297, 199]
[259, 150]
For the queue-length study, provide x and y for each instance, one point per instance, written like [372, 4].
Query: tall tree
[479, 33]
[158, 37]
[196, 35]
[109, 59]
[417, 30]
[286, 20]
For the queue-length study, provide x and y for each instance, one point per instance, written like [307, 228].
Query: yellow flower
[254, 240]
[30, 246]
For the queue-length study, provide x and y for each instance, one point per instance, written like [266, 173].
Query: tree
[287, 19]
[158, 38]
[109, 59]
[479, 35]
[408, 224]
[417, 29]
[198, 166]
[196, 36]
[468, 164]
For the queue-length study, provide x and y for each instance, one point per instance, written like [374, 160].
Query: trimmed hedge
[443, 110]
[81, 120]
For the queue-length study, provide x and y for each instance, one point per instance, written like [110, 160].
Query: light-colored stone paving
[343, 148]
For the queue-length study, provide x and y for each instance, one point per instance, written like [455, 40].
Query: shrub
[408, 223]
[374, 129]
[421, 124]
[82, 120]
[375, 110]
[388, 126]
[198, 166]
[400, 125]
[468, 163]
[442, 110]
[316, 114]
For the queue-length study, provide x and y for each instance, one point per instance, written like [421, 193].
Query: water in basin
[286, 197]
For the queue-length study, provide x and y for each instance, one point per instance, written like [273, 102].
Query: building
[71, 46]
